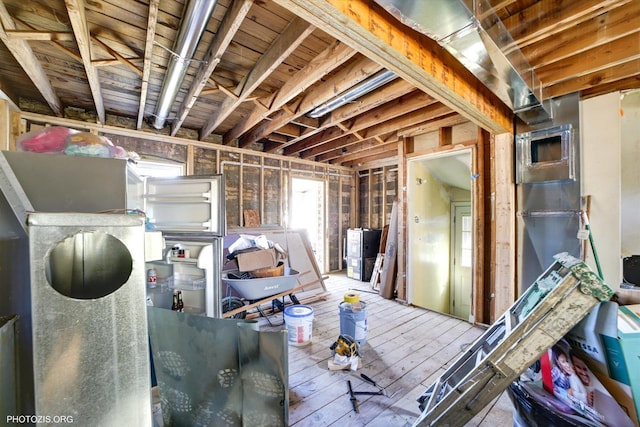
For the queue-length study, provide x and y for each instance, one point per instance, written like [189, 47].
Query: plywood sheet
[251, 218]
[388, 275]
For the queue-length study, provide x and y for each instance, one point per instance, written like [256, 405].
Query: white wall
[600, 144]
[428, 230]
[630, 178]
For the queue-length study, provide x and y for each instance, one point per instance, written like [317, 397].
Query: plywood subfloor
[406, 349]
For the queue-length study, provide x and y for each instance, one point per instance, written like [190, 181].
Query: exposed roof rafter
[75, 9]
[21, 50]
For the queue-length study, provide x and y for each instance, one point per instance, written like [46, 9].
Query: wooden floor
[406, 349]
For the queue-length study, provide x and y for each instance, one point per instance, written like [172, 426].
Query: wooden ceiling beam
[610, 54]
[368, 102]
[377, 99]
[388, 152]
[21, 50]
[608, 76]
[368, 28]
[623, 84]
[289, 130]
[307, 122]
[350, 75]
[434, 112]
[40, 35]
[75, 9]
[334, 56]
[280, 139]
[353, 150]
[599, 30]
[344, 79]
[121, 59]
[224, 35]
[295, 33]
[431, 125]
[545, 19]
[54, 43]
[390, 157]
[333, 144]
[358, 151]
[152, 19]
[395, 108]
[329, 59]
[337, 148]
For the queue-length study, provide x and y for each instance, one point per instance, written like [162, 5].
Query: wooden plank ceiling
[262, 66]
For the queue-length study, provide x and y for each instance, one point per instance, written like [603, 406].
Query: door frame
[413, 279]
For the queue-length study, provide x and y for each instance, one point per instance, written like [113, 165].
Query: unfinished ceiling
[274, 75]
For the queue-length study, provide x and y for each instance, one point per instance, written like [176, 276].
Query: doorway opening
[307, 213]
[440, 233]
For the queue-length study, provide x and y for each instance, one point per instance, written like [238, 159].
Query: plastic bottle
[174, 305]
[152, 278]
[180, 303]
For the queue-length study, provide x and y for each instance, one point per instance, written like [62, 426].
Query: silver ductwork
[470, 31]
[194, 21]
[379, 79]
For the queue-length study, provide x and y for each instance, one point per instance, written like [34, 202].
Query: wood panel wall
[253, 180]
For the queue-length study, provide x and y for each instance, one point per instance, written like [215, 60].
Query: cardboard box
[629, 339]
[567, 376]
[255, 260]
[597, 338]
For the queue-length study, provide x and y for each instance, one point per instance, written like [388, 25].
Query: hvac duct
[470, 31]
[195, 18]
[379, 79]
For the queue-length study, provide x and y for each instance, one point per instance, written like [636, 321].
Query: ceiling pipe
[379, 79]
[194, 22]
[475, 35]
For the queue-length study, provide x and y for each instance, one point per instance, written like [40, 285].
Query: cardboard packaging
[255, 260]
[598, 338]
[566, 375]
[629, 340]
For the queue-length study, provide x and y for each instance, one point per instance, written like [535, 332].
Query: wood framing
[228, 28]
[21, 50]
[504, 212]
[405, 146]
[291, 38]
[83, 38]
[416, 58]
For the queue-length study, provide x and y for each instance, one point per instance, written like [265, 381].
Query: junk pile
[256, 257]
[62, 140]
[558, 300]
[589, 377]
[255, 271]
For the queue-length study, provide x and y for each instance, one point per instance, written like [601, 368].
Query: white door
[461, 259]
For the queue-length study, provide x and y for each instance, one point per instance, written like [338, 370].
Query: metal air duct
[470, 31]
[379, 79]
[195, 18]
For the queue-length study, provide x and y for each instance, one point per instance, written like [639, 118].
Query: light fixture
[379, 79]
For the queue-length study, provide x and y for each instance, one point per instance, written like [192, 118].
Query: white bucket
[299, 321]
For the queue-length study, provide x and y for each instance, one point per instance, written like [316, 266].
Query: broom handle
[593, 246]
